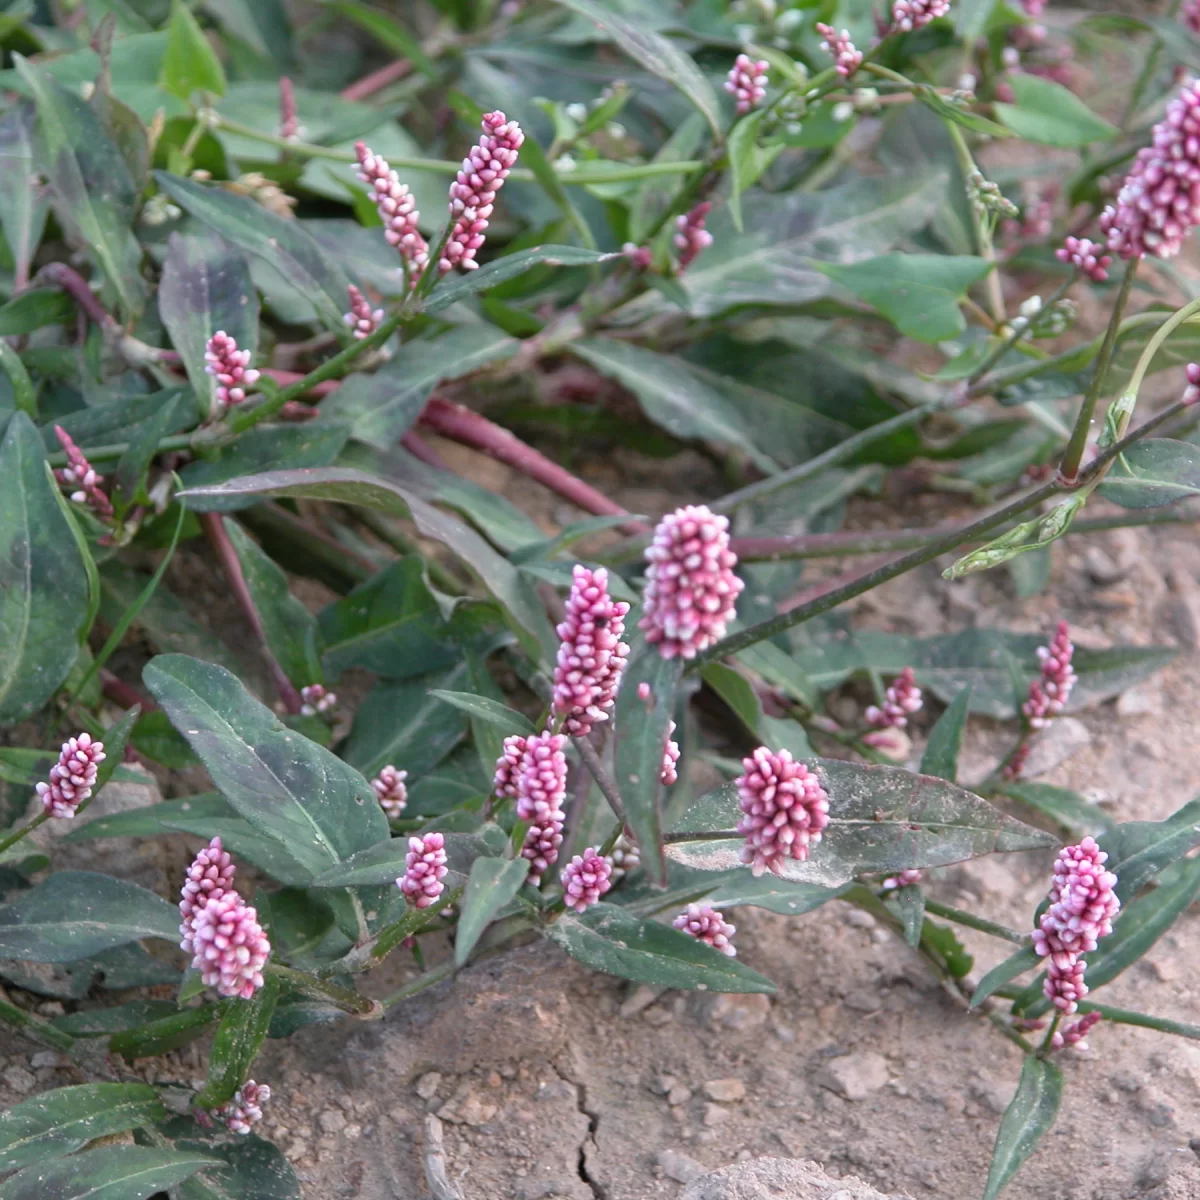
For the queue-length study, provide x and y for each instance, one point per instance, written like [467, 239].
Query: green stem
[34, 1026]
[1152, 348]
[108, 453]
[1123, 1016]
[399, 541]
[979, 218]
[973, 922]
[17, 834]
[433, 976]
[24, 393]
[321, 989]
[1073, 456]
[1000, 350]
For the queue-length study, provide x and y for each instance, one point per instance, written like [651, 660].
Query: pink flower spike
[747, 82]
[208, 878]
[389, 787]
[542, 842]
[670, 775]
[245, 1109]
[362, 318]
[1086, 256]
[289, 121]
[586, 878]
[784, 808]
[705, 924]
[541, 779]
[230, 946]
[80, 477]
[1016, 765]
[316, 700]
[908, 15]
[473, 193]
[1064, 986]
[1192, 392]
[1082, 904]
[424, 870]
[901, 700]
[72, 778]
[1159, 201]
[691, 237]
[846, 57]
[397, 209]
[691, 589]
[1073, 1035]
[905, 878]
[591, 655]
[1048, 695]
[504, 782]
[231, 369]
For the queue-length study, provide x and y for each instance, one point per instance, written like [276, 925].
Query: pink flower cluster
[504, 781]
[316, 700]
[473, 193]
[591, 655]
[542, 842]
[362, 318]
[586, 878]
[208, 878]
[900, 701]
[905, 878]
[670, 764]
[705, 924]
[231, 369]
[1082, 907]
[424, 870]
[533, 771]
[72, 778]
[397, 209]
[391, 791]
[245, 1109]
[1085, 256]
[784, 809]
[847, 58]
[747, 82]
[1189, 14]
[1191, 393]
[1075, 1033]
[80, 476]
[1048, 695]
[691, 589]
[1159, 202]
[690, 235]
[908, 15]
[641, 257]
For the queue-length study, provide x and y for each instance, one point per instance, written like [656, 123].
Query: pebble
[352, 1132]
[428, 1085]
[663, 1084]
[1144, 700]
[1101, 568]
[859, 919]
[20, 1080]
[639, 999]
[680, 1167]
[727, 1091]
[739, 1012]
[332, 1121]
[49, 1058]
[862, 1001]
[298, 1149]
[1185, 616]
[714, 1114]
[855, 1076]
[679, 1094]
[658, 1016]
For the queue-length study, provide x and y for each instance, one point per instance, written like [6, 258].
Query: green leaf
[493, 882]
[614, 941]
[387, 31]
[640, 728]
[262, 24]
[249, 1167]
[190, 63]
[44, 593]
[110, 1173]
[882, 819]
[206, 287]
[484, 709]
[75, 914]
[1015, 964]
[292, 790]
[61, 1121]
[167, 1033]
[290, 629]
[1139, 850]
[919, 293]
[236, 1044]
[941, 939]
[1152, 473]
[908, 903]
[94, 193]
[737, 691]
[35, 308]
[101, 1022]
[747, 159]
[1050, 114]
[381, 864]
[280, 243]
[1030, 1114]
[354, 487]
[657, 54]
[769, 892]
[1061, 805]
[22, 207]
[946, 739]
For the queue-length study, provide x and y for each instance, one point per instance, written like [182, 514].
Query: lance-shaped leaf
[1015, 964]
[109, 1173]
[1067, 808]
[247, 1165]
[206, 287]
[946, 738]
[294, 791]
[22, 207]
[614, 941]
[236, 1044]
[44, 592]
[94, 193]
[1048, 113]
[384, 863]
[881, 819]
[280, 243]
[1152, 473]
[483, 708]
[167, 1033]
[190, 63]
[1028, 1117]
[75, 914]
[493, 882]
[774, 894]
[1139, 850]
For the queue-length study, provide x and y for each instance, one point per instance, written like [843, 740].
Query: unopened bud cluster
[72, 778]
[784, 809]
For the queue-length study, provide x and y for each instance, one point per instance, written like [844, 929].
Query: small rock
[991, 1093]
[49, 1058]
[855, 1076]
[658, 1016]
[20, 1080]
[1101, 568]
[1064, 738]
[640, 999]
[859, 919]
[714, 1114]
[352, 1132]
[1185, 616]
[298, 1149]
[1116, 599]
[468, 1107]
[663, 1084]
[737, 1012]
[778, 1179]
[1144, 700]
[727, 1091]
[332, 1121]
[679, 1166]
[678, 1095]
[863, 1001]
[428, 1085]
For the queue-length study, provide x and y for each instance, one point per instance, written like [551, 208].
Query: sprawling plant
[236, 307]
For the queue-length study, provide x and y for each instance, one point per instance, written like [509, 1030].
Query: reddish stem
[218, 537]
[376, 81]
[60, 275]
[421, 450]
[122, 693]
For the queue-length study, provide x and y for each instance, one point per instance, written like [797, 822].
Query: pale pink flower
[245, 1109]
[1075, 1033]
[231, 369]
[362, 318]
[424, 870]
[747, 82]
[641, 257]
[72, 778]
[1064, 986]
[316, 700]
[542, 842]
[905, 878]
[208, 878]
[691, 589]
[784, 809]
[1033, 8]
[891, 741]
[397, 209]
[473, 193]
[504, 782]
[1048, 695]
[902, 699]
[1085, 256]
[591, 654]
[670, 773]
[81, 478]
[1192, 392]
[586, 878]
[690, 235]
[705, 924]
[541, 779]
[643, 690]
[229, 945]
[908, 15]
[1082, 904]
[1159, 202]
[390, 788]
[846, 57]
